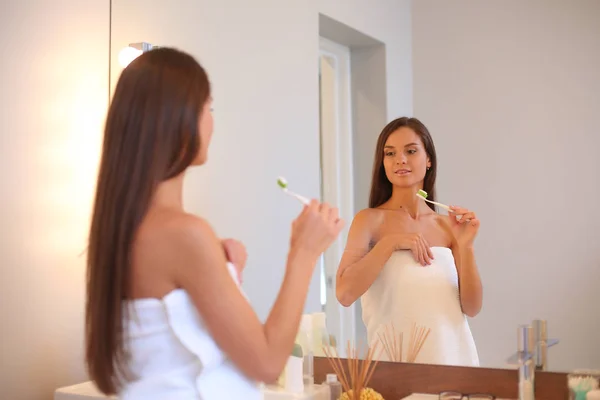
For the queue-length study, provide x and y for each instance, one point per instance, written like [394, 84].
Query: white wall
[54, 80]
[511, 93]
[262, 57]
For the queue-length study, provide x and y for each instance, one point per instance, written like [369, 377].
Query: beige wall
[54, 81]
[511, 93]
[262, 59]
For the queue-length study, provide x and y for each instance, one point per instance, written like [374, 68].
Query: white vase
[294, 381]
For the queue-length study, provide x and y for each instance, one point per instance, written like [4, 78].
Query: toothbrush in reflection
[282, 182]
[423, 195]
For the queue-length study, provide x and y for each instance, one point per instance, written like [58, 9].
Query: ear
[428, 163]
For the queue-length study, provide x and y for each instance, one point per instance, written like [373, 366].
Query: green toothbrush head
[282, 182]
[422, 193]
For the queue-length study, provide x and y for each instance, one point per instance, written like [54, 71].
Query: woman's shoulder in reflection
[368, 218]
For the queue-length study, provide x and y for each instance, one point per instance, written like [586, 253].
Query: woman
[165, 316]
[400, 254]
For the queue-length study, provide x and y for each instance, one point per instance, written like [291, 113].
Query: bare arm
[359, 266]
[469, 281]
[260, 351]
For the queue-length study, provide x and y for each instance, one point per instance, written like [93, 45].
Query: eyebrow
[387, 146]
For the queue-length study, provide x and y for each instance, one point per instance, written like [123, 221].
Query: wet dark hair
[151, 135]
[381, 187]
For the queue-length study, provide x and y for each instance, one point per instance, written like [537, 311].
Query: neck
[406, 198]
[169, 193]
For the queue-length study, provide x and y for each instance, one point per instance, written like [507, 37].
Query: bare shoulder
[443, 220]
[168, 229]
[165, 242]
[368, 218]
[188, 230]
[364, 227]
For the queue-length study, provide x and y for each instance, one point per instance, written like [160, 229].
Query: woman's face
[205, 128]
[405, 159]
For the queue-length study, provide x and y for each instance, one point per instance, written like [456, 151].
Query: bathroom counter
[421, 396]
[399, 380]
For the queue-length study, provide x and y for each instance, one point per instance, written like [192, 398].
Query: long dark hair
[381, 187]
[151, 135]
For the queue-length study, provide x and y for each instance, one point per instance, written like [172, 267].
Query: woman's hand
[465, 225]
[315, 229]
[416, 243]
[235, 252]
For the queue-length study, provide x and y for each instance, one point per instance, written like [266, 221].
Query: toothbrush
[283, 185]
[423, 195]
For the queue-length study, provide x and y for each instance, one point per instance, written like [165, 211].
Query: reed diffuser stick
[359, 371]
[392, 343]
[417, 339]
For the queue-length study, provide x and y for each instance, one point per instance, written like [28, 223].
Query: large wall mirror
[508, 90]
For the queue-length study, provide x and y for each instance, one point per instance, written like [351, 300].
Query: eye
[411, 151]
[389, 154]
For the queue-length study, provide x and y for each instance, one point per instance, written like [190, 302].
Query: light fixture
[134, 50]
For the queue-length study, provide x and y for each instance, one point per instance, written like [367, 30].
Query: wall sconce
[134, 50]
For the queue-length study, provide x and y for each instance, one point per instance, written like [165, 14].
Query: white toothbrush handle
[302, 199]
[447, 208]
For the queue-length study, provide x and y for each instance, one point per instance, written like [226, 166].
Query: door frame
[337, 175]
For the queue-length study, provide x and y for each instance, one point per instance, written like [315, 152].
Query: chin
[403, 182]
[408, 184]
[404, 185]
[200, 160]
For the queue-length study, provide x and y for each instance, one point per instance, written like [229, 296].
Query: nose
[401, 159]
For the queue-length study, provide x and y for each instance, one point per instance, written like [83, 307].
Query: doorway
[337, 176]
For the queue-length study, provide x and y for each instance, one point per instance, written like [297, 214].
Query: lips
[402, 171]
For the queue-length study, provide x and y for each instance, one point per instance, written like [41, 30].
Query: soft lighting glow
[127, 55]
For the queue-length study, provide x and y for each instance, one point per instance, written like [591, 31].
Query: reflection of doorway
[337, 187]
